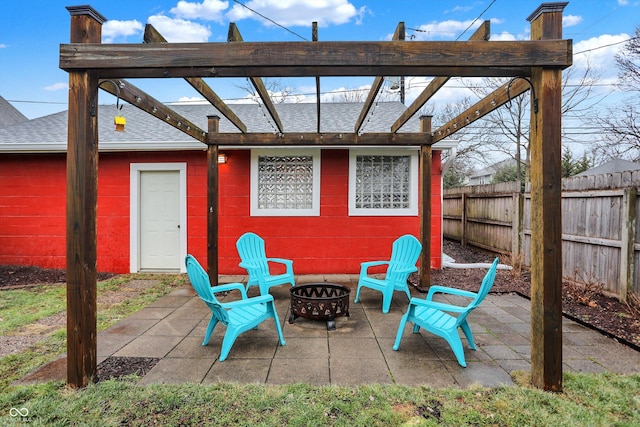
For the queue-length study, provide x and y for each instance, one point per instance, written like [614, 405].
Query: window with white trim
[285, 182]
[383, 182]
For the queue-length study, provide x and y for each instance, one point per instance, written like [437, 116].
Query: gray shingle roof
[613, 166]
[9, 115]
[143, 131]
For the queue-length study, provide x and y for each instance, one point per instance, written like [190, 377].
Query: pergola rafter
[123, 89]
[482, 33]
[492, 101]
[542, 59]
[258, 84]
[151, 35]
[399, 34]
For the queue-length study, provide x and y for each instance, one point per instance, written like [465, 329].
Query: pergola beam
[482, 33]
[235, 36]
[398, 35]
[494, 100]
[151, 35]
[256, 59]
[326, 139]
[138, 98]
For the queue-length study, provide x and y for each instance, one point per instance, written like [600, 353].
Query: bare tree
[278, 92]
[621, 124]
[506, 129]
[470, 149]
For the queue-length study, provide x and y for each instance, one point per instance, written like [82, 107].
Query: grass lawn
[587, 399]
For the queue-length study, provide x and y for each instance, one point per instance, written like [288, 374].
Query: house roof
[145, 132]
[9, 115]
[613, 166]
[492, 169]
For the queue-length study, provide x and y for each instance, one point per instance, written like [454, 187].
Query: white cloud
[2, 45]
[571, 20]
[210, 10]
[298, 12]
[111, 30]
[503, 36]
[447, 30]
[623, 2]
[599, 52]
[190, 100]
[179, 30]
[57, 86]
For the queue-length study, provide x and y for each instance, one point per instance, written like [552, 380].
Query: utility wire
[467, 29]
[474, 21]
[270, 20]
[606, 45]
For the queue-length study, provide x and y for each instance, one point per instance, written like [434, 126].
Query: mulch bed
[115, 368]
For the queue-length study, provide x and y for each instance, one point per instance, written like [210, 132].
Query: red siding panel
[32, 214]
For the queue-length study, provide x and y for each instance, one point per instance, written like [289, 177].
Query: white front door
[159, 219]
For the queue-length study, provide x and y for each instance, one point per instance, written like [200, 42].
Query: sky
[31, 32]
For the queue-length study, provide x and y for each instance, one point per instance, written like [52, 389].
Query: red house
[328, 208]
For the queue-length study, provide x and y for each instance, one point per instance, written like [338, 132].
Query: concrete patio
[359, 351]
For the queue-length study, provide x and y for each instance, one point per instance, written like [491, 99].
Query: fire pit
[320, 301]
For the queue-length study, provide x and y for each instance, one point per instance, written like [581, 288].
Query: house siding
[33, 224]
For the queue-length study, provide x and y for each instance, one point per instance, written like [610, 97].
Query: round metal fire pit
[320, 301]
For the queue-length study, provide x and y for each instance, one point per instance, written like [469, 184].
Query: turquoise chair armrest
[418, 302]
[261, 299]
[450, 291]
[230, 287]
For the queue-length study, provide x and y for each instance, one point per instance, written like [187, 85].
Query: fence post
[627, 237]
[516, 227]
[463, 220]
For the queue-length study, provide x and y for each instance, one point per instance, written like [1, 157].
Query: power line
[474, 21]
[461, 34]
[606, 45]
[270, 20]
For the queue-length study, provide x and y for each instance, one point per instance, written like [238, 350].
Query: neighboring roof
[490, 170]
[9, 115]
[145, 132]
[613, 166]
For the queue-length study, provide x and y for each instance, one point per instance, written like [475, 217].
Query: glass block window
[285, 182]
[383, 183]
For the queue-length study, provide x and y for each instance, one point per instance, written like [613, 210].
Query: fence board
[597, 223]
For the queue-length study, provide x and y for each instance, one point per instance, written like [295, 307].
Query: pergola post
[82, 201]
[546, 212]
[212, 199]
[425, 205]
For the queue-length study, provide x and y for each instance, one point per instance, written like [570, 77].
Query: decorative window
[285, 182]
[383, 182]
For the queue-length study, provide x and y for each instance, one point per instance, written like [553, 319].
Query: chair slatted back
[200, 281]
[405, 253]
[485, 287]
[251, 249]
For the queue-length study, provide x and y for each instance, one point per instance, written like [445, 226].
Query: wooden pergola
[535, 64]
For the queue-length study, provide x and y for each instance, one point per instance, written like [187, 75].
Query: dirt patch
[20, 276]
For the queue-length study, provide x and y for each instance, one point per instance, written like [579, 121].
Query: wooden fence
[600, 230]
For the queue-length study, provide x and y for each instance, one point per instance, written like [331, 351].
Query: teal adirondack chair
[433, 316]
[404, 255]
[238, 316]
[254, 259]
